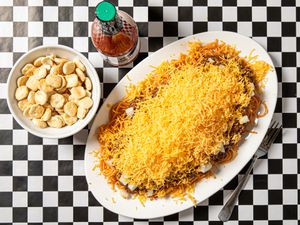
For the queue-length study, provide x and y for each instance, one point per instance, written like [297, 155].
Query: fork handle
[227, 209]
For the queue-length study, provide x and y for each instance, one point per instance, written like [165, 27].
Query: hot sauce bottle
[115, 35]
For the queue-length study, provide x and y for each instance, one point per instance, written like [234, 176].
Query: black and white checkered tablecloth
[42, 180]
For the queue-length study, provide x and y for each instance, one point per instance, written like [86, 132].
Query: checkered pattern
[42, 180]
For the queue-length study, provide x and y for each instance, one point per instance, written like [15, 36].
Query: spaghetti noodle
[185, 118]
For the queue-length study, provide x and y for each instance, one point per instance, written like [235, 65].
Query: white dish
[29, 57]
[205, 188]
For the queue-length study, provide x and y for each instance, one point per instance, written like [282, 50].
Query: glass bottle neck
[112, 27]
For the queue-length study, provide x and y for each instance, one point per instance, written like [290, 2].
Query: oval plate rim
[164, 207]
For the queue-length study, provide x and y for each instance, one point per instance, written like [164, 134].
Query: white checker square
[78, 167]
[65, 29]
[50, 13]
[289, 166]
[110, 75]
[169, 40]
[140, 14]
[288, 14]
[290, 222]
[155, 3]
[244, 28]
[245, 212]
[289, 44]
[65, 183]
[275, 212]
[20, 168]
[186, 215]
[170, 13]
[297, 29]
[3, 88]
[80, 137]
[276, 58]
[35, 152]
[6, 29]
[80, 198]
[6, 184]
[95, 214]
[50, 40]
[261, 167]
[274, 181]
[199, 14]
[213, 212]
[244, 3]
[35, 2]
[262, 41]
[289, 105]
[214, 3]
[249, 184]
[20, 13]
[274, 29]
[124, 219]
[289, 135]
[214, 26]
[298, 59]
[125, 2]
[6, 3]
[259, 14]
[279, 86]
[185, 29]
[35, 183]
[19, 199]
[275, 151]
[289, 74]
[34, 214]
[155, 29]
[80, 13]
[65, 214]
[185, 2]
[96, 59]
[274, 3]
[6, 59]
[229, 14]
[6, 121]
[50, 199]
[81, 44]
[6, 152]
[6, 215]
[35, 29]
[20, 44]
[71, 3]
[65, 152]
[144, 44]
[20, 137]
[170, 223]
[260, 197]
[289, 197]
[50, 168]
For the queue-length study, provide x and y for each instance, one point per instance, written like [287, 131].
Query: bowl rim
[95, 98]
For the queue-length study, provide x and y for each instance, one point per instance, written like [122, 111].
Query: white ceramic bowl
[29, 57]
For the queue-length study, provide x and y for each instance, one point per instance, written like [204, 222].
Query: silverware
[270, 137]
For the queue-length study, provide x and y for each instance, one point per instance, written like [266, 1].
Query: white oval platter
[204, 189]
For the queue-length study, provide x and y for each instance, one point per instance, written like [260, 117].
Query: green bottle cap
[105, 11]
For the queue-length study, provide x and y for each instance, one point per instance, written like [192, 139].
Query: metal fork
[270, 137]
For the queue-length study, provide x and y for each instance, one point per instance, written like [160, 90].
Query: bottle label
[112, 27]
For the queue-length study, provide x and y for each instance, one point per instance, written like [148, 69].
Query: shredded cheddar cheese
[184, 113]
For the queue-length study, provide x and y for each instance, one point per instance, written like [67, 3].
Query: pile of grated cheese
[174, 132]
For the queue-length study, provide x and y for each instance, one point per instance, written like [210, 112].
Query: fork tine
[272, 139]
[271, 131]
